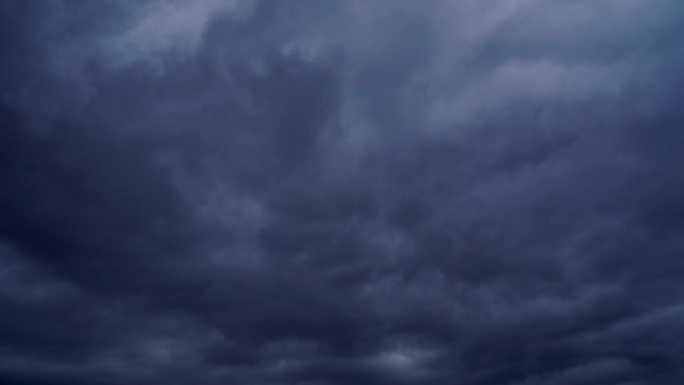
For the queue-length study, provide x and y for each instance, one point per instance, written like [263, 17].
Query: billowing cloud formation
[327, 193]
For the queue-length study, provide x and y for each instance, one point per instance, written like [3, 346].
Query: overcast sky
[366, 192]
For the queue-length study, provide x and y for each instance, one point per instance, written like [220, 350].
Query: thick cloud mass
[342, 192]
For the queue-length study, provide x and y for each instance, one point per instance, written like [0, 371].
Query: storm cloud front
[381, 192]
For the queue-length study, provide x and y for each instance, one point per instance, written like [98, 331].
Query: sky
[319, 192]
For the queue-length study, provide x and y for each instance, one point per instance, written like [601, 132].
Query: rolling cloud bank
[342, 192]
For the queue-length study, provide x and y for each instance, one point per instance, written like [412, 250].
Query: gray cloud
[341, 192]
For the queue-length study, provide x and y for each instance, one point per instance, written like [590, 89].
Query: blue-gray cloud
[389, 192]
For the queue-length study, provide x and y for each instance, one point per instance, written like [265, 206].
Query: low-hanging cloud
[387, 192]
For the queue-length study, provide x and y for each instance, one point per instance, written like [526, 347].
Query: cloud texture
[342, 192]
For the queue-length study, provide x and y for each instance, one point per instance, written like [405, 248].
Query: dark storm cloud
[449, 192]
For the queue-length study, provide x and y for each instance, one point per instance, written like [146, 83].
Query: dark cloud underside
[328, 193]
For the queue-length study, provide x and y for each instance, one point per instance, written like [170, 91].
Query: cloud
[163, 28]
[382, 192]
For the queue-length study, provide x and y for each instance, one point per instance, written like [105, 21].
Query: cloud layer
[328, 193]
